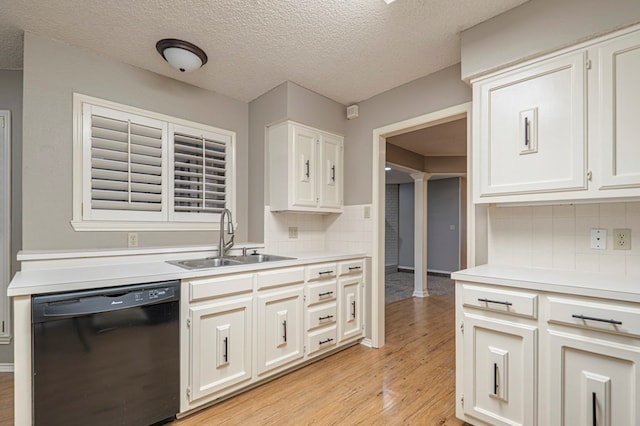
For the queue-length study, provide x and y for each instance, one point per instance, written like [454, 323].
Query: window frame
[5, 203]
[81, 221]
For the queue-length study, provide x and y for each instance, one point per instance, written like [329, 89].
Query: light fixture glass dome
[181, 55]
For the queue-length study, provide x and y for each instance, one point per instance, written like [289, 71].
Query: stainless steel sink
[260, 258]
[217, 262]
[210, 262]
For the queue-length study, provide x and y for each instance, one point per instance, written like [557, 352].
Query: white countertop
[594, 284]
[99, 276]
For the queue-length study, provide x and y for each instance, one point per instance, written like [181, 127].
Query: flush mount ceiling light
[389, 1]
[181, 55]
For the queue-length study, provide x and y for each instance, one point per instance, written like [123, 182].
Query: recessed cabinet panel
[220, 339]
[350, 308]
[331, 169]
[620, 103]
[501, 384]
[280, 328]
[304, 166]
[593, 381]
[532, 135]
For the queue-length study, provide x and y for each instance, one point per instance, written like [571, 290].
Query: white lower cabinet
[350, 308]
[528, 357]
[502, 359]
[240, 329]
[594, 381]
[220, 346]
[280, 328]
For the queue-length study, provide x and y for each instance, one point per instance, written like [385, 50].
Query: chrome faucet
[224, 246]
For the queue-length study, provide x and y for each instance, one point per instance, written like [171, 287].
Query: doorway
[380, 157]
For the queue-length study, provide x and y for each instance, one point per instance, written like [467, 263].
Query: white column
[420, 234]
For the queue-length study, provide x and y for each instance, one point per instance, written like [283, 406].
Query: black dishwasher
[108, 356]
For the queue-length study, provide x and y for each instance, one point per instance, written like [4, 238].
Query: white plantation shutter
[125, 154]
[140, 170]
[200, 173]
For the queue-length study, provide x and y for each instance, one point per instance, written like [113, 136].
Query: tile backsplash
[346, 232]
[559, 236]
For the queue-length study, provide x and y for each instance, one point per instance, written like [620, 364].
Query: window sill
[144, 226]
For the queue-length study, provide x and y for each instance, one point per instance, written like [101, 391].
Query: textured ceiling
[441, 140]
[347, 50]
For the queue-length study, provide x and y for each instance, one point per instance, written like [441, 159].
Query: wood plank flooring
[411, 381]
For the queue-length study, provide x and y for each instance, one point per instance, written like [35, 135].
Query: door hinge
[589, 175]
[188, 322]
[462, 327]
[304, 349]
[588, 64]
[304, 298]
[188, 392]
[462, 399]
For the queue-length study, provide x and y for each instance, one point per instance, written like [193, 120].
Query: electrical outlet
[622, 239]
[293, 232]
[599, 239]
[132, 239]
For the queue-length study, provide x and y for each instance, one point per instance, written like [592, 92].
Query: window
[136, 169]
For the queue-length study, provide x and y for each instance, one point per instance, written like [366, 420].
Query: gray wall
[11, 99]
[406, 228]
[288, 101]
[391, 227]
[434, 92]
[52, 72]
[443, 211]
[539, 26]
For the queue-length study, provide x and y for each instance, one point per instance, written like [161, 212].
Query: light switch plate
[293, 232]
[599, 239]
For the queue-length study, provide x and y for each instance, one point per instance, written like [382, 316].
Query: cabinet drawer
[322, 340]
[321, 315]
[205, 288]
[498, 300]
[321, 292]
[607, 317]
[351, 267]
[280, 277]
[321, 271]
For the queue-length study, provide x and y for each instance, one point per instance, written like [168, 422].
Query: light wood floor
[411, 381]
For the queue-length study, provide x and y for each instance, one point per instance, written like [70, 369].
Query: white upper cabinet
[619, 95]
[560, 128]
[305, 169]
[531, 128]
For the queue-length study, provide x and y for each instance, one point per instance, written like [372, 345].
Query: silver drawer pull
[325, 317]
[325, 273]
[326, 293]
[351, 268]
[322, 342]
[608, 321]
[499, 302]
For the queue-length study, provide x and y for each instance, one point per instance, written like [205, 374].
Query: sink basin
[260, 258]
[216, 262]
[210, 262]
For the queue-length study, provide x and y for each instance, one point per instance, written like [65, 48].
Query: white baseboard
[367, 342]
[6, 368]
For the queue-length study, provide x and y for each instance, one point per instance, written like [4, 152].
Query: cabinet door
[304, 173]
[530, 128]
[619, 66]
[331, 172]
[350, 308]
[500, 374]
[280, 328]
[220, 340]
[593, 382]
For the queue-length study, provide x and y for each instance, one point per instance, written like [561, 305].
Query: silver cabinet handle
[308, 169]
[333, 173]
[325, 273]
[609, 321]
[322, 342]
[352, 268]
[527, 132]
[226, 349]
[326, 293]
